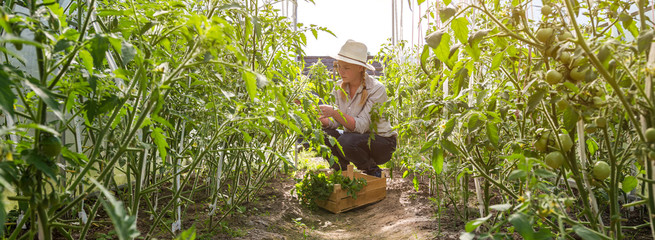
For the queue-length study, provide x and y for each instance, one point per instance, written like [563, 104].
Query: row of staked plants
[178, 98]
[545, 107]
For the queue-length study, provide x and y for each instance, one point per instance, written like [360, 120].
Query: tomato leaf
[47, 96]
[475, 223]
[427, 145]
[572, 87]
[124, 224]
[160, 140]
[517, 174]
[425, 54]
[629, 183]
[492, 133]
[501, 207]
[40, 162]
[7, 96]
[292, 126]
[109, 12]
[592, 146]
[128, 51]
[497, 60]
[460, 78]
[433, 84]
[450, 125]
[437, 160]
[474, 122]
[461, 29]
[576, 7]
[450, 146]
[543, 173]
[534, 100]
[467, 236]
[443, 50]
[162, 121]
[99, 46]
[585, 233]
[87, 60]
[522, 225]
[251, 84]
[570, 118]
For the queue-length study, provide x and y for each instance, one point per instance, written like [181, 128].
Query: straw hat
[355, 53]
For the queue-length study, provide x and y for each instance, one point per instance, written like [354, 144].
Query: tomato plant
[511, 84]
[134, 95]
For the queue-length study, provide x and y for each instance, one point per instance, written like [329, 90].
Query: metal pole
[393, 22]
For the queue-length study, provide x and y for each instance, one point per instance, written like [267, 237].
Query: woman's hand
[329, 111]
[324, 121]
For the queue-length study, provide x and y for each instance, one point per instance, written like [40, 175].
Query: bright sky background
[367, 21]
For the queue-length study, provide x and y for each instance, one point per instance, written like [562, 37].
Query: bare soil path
[403, 214]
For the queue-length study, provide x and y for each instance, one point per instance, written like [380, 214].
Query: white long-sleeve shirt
[362, 112]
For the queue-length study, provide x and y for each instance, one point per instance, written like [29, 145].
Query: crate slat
[339, 201]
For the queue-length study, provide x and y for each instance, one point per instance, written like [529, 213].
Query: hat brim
[343, 59]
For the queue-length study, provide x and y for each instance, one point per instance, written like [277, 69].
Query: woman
[356, 96]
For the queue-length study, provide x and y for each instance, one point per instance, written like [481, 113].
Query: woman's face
[350, 73]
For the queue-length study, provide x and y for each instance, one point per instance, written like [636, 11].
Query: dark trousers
[356, 150]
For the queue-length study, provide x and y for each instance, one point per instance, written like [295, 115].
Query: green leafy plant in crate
[318, 186]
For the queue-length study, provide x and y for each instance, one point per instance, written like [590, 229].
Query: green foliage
[313, 186]
[124, 224]
[189, 234]
[151, 90]
[486, 110]
[318, 186]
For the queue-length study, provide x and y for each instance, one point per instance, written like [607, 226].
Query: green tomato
[569, 202]
[601, 170]
[546, 10]
[50, 146]
[650, 135]
[565, 58]
[544, 34]
[554, 160]
[577, 74]
[553, 76]
[565, 36]
[541, 144]
[566, 141]
[601, 122]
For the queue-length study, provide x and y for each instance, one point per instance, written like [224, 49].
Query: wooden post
[349, 172]
[644, 125]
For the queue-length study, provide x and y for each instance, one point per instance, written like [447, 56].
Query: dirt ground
[275, 213]
[403, 214]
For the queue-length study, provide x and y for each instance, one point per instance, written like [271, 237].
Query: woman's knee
[351, 140]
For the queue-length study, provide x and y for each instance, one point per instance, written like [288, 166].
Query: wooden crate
[339, 201]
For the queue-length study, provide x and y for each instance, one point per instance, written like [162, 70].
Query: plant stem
[615, 214]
